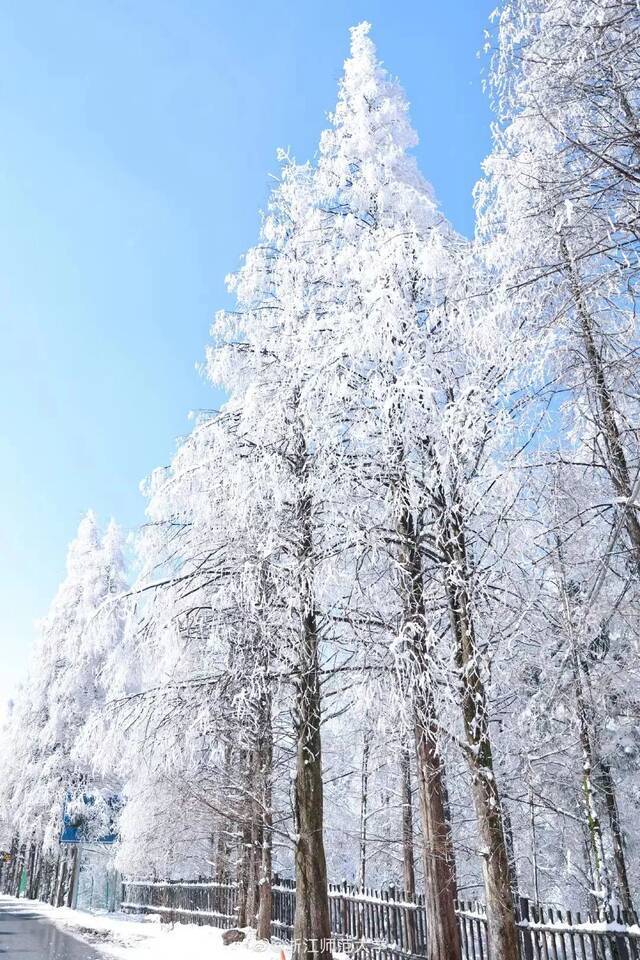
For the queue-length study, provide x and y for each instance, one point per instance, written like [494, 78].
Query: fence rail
[390, 924]
[211, 903]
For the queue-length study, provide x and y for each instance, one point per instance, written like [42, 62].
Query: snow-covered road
[36, 931]
[27, 935]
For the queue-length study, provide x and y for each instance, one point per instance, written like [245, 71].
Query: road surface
[24, 935]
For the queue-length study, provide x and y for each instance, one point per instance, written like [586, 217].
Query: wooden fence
[379, 925]
[547, 933]
[208, 903]
[375, 922]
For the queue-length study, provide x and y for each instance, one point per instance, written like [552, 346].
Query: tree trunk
[255, 862]
[8, 868]
[47, 881]
[35, 868]
[222, 858]
[40, 876]
[225, 843]
[312, 927]
[589, 755]
[31, 869]
[592, 903]
[243, 868]
[439, 865]
[511, 850]
[502, 933]
[408, 865]
[73, 877]
[44, 879]
[266, 779]
[243, 871]
[616, 461]
[618, 469]
[608, 786]
[534, 847]
[19, 866]
[364, 799]
[312, 930]
[53, 881]
[62, 872]
[594, 826]
[254, 851]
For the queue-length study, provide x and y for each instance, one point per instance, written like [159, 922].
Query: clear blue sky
[137, 139]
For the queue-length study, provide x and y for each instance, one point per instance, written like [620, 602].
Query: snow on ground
[126, 937]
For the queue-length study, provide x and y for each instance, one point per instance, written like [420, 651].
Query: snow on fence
[379, 922]
[384, 924]
[210, 903]
[547, 933]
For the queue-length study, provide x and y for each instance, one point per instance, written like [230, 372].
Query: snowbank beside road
[125, 937]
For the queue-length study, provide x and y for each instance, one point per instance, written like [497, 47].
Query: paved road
[24, 935]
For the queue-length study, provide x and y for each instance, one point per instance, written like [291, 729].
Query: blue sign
[84, 822]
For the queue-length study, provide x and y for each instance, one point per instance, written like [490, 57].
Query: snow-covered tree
[421, 374]
[558, 212]
[43, 768]
[557, 218]
[403, 559]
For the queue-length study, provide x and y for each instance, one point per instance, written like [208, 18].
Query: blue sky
[138, 138]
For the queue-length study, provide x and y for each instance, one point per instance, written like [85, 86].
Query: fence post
[525, 929]
[620, 941]
[275, 901]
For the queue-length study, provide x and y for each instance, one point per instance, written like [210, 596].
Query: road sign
[79, 819]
